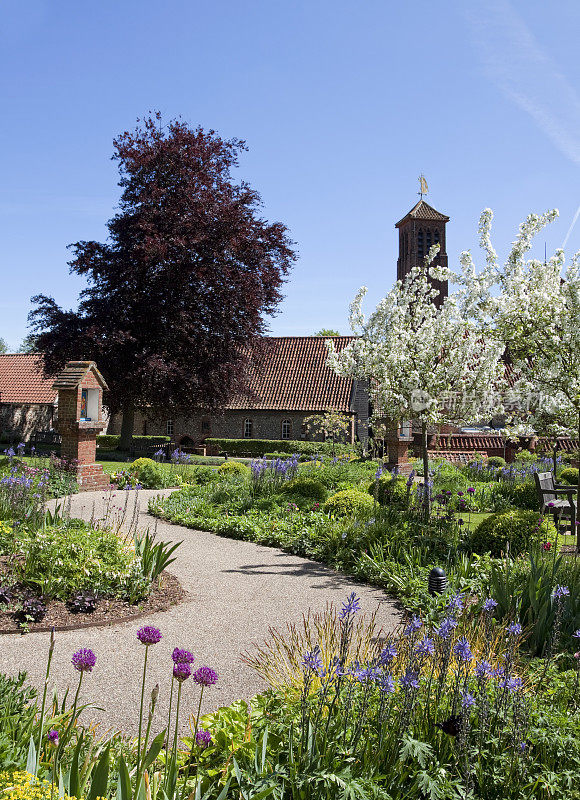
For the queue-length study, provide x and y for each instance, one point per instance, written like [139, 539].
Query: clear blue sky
[342, 105]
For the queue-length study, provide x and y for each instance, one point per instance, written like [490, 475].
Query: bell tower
[421, 228]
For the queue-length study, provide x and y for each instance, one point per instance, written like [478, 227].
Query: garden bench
[550, 493]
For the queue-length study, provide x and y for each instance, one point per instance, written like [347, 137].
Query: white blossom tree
[533, 307]
[422, 362]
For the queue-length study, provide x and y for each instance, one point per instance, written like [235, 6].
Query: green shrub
[570, 475]
[520, 528]
[229, 468]
[149, 473]
[496, 461]
[520, 495]
[391, 491]
[349, 501]
[61, 561]
[202, 475]
[254, 448]
[306, 487]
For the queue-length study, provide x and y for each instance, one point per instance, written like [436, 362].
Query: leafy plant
[83, 603]
[155, 556]
[349, 501]
[513, 530]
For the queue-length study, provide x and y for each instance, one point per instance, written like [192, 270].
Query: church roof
[292, 375]
[423, 210]
[22, 381]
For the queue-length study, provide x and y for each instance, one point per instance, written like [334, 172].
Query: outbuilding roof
[22, 381]
[292, 375]
[74, 372]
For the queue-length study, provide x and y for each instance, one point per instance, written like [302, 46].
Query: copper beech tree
[176, 298]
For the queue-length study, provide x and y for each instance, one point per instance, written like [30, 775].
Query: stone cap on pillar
[75, 372]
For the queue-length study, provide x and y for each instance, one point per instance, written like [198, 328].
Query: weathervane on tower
[423, 188]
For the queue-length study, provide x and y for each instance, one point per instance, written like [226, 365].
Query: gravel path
[236, 590]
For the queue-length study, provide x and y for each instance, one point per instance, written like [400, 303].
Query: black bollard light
[437, 582]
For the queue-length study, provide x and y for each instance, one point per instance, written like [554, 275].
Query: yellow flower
[24, 786]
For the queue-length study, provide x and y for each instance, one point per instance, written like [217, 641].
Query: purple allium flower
[203, 738]
[489, 604]
[84, 660]
[388, 653]
[471, 490]
[351, 606]
[459, 494]
[462, 650]
[148, 635]
[386, 683]
[410, 680]
[445, 629]
[205, 676]
[456, 603]
[483, 669]
[514, 629]
[425, 647]
[180, 656]
[181, 671]
[312, 661]
[467, 700]
[561, 591]
[52, 737]
[412, 626]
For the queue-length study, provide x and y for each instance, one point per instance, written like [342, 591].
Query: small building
[290, 383]
[28, 402]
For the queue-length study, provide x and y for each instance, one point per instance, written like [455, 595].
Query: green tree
[334, 425]
[3, 346]
[327, 332]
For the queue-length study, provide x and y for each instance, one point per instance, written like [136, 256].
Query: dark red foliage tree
[177, 296]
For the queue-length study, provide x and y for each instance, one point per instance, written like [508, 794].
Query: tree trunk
[426, 490]
[127, 426]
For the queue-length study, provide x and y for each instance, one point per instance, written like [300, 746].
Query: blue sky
[342, 105]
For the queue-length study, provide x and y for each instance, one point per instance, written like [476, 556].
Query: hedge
[111, 442]
[257, 447]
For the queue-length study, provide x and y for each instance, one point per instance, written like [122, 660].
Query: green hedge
[111, 442]
[257, 447]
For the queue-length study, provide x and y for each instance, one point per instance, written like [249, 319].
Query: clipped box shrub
[149, 473]
[306, 487]
[496, 461]
[391, 491]
[520, 495]
[519, 527]
[229, 468]
[349, 502]
[256, 448]
[570, 475]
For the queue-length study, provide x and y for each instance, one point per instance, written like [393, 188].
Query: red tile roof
[22, 381]
[423, 210]
[292, 376]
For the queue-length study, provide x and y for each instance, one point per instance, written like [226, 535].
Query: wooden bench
[551, 502]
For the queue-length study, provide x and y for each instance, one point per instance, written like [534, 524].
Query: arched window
[436, 236]
[420, 244]
[286, 429]
[248, 426]
[169, 427]
[429, 242]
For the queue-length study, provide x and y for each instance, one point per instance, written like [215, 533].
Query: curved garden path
[235, 589]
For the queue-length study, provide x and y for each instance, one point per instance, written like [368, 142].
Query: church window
[420, 244]
[429, 242]
[248, 428]
[436, 235]
[286, 428]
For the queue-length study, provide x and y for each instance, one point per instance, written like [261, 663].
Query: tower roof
[423, 210]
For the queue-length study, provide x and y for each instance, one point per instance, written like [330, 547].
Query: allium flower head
[203, 738]
[463, 650]
[180, 656]
[84, 660]
[181, 671]
[351, 606]
[205, 676]
[561, 591]
[148, 635]
[514, 629]
[467, 700]
[489, 604]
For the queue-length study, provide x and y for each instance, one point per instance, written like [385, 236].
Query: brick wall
[26, 418]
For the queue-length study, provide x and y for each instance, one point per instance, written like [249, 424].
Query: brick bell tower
[421, 228]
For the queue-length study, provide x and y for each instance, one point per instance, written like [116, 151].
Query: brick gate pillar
[80, 418]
